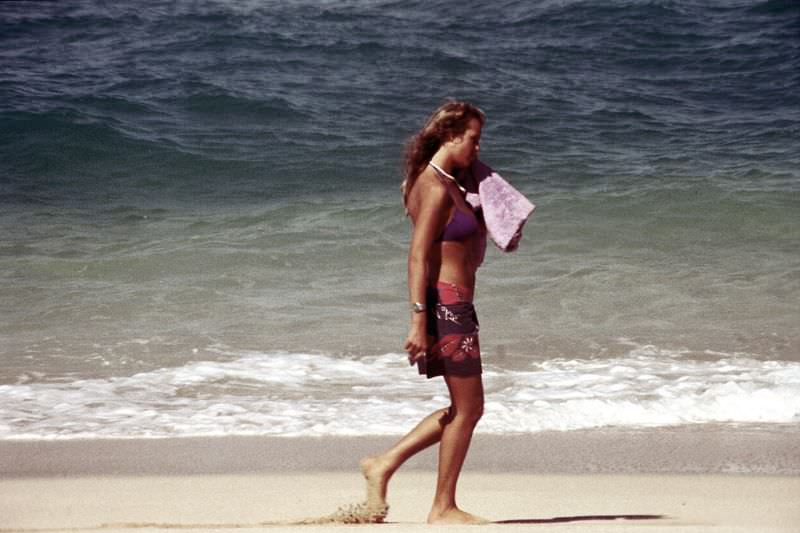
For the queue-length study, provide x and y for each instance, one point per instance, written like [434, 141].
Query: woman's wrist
[418, 319]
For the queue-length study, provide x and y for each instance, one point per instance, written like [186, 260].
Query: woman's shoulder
[430, 186]
[429, 191]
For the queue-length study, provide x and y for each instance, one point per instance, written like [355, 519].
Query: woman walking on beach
[447, 246]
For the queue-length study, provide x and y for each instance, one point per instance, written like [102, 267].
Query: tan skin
[431, 202]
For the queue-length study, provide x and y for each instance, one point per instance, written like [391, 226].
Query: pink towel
[505, 209]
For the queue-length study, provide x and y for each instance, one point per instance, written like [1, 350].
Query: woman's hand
[417, 341]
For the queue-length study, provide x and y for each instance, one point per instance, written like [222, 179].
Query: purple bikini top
[461, 226]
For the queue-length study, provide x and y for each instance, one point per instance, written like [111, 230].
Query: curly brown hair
[450, 120]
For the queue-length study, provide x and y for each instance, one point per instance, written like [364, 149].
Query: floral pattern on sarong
[457, 329]
[443, 313]
[453, 330]
[457, 347]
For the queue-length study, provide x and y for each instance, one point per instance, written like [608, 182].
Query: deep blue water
[229, 101]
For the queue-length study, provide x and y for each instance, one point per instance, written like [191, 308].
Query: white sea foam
[292, 394]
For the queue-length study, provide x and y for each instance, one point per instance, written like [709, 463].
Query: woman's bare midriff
[454, 262]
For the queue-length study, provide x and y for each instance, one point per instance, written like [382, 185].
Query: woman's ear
[454, 138]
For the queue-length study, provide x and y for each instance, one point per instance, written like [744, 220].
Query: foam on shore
[300, 394]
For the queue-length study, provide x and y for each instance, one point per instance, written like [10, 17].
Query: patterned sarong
[453, 324]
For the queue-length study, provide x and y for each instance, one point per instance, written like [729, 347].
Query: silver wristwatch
[417, 307]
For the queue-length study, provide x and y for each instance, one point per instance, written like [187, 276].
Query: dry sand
[542, 503]
[603, 481]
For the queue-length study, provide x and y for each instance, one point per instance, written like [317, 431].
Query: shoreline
[701, 449]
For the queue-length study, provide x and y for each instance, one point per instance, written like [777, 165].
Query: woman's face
[465, 147]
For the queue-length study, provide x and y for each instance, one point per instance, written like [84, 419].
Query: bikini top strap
[444, 174]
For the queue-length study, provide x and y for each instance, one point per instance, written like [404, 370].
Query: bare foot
[376, 472]
[454, 515]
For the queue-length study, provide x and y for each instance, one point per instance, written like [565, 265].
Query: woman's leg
[378, 469]
[466, 394]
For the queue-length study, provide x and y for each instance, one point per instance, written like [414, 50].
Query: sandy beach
[668, 480]
[599, 503]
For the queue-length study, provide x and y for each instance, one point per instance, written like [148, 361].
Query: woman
[446, 248]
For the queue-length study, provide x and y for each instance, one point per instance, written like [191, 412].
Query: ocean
[201, 230]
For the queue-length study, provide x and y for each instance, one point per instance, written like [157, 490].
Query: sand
[590, 503]
[222, 484]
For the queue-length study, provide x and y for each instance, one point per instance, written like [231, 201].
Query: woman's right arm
[430, 219]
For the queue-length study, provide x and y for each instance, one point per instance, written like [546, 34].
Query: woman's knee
[470, 413]
[476, 412]
[466, 396]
